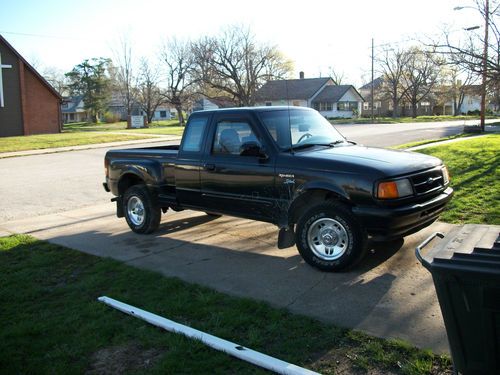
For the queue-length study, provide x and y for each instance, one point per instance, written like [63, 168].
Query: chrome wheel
[135, 210]
[328, 239]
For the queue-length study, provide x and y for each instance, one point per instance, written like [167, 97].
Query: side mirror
[253, 148]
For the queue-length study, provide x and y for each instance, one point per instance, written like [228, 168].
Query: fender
[318, 190]
[149, 171]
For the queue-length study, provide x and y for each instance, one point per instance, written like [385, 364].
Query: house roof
[377, 82]
[291, 89]
[333, 93]
[73, 102]
[33, 70]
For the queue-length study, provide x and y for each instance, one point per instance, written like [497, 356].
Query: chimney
[301, 75]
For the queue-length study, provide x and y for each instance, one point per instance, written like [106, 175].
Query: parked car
[285, 166]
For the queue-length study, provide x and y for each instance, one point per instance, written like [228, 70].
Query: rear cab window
[193, 134]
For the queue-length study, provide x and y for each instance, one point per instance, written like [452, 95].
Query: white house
[163, 112]
[73, 109]
[322, 94]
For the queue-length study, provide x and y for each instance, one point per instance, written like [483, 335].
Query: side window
[230, 136]
[194, 133]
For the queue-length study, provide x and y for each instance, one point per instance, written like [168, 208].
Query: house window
[269, 104]
[366, 106]
[347, 106]
[323, 106]
[163, 114]
[71, 116]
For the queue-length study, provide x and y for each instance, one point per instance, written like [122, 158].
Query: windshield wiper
[338, 141]
[307, 145]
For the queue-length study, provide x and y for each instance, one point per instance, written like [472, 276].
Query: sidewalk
[155, 138]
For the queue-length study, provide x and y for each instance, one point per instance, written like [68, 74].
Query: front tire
[330, 238]
[141, 210]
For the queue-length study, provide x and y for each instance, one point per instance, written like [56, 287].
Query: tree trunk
[180, 116]
[414, 109]
[395, 107]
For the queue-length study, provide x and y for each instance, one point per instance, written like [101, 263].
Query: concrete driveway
[388, 295]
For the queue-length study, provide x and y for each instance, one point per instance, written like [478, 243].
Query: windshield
[297, 128]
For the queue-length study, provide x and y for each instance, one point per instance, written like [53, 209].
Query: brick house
[28, 103]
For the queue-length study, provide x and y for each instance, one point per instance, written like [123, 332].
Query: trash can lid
[466, 239]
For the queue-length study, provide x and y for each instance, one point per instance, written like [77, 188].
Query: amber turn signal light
[387, 190]
[394, 189]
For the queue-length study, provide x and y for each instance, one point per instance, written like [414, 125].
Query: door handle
[209, 167]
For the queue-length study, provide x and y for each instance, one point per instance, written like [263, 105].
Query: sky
[314, 34]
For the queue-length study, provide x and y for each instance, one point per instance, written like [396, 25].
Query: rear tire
[330, 238]
[141, 209]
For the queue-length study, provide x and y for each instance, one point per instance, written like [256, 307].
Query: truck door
[234, 181]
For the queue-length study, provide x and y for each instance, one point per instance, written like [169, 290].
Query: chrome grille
[428, 182]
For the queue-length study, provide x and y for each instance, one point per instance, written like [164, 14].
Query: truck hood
[388, 162]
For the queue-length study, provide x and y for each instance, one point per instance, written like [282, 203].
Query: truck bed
[164, 152]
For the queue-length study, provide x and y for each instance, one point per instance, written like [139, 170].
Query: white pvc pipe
[249, 355]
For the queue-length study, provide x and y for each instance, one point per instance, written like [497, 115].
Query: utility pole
[485, 63]
[373, 90]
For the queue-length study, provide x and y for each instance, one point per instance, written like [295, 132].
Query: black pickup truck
[286, 166]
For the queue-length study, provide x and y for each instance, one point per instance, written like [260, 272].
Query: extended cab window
[231, 136]
[194, 133]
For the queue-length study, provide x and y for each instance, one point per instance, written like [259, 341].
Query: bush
[110, 117]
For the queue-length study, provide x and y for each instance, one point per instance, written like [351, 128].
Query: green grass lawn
[428, 141]
[474, 169]
[166, 127]
[399, 120]
[42, 141]
[53, 324]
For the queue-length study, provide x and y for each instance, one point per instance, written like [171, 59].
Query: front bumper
[385, 223]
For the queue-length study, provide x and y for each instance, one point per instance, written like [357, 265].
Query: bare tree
[468, 51]
[337, 75]
[393, 65]
[147, 91]
[457, 84]
[124, 75]
[179, 62]
[420, 76]
[236, 64]
[57, 79]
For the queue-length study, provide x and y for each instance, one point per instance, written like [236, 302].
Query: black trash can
[467, 283]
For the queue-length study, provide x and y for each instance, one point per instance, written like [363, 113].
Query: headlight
[394, 189]
[446, 176]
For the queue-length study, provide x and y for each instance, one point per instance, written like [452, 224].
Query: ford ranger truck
[287, 166]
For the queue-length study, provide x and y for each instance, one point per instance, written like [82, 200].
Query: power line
[42, 35]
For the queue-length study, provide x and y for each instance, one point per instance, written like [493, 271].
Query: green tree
[90, 79]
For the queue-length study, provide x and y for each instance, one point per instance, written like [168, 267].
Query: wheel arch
[313, 195]
[127, 180]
